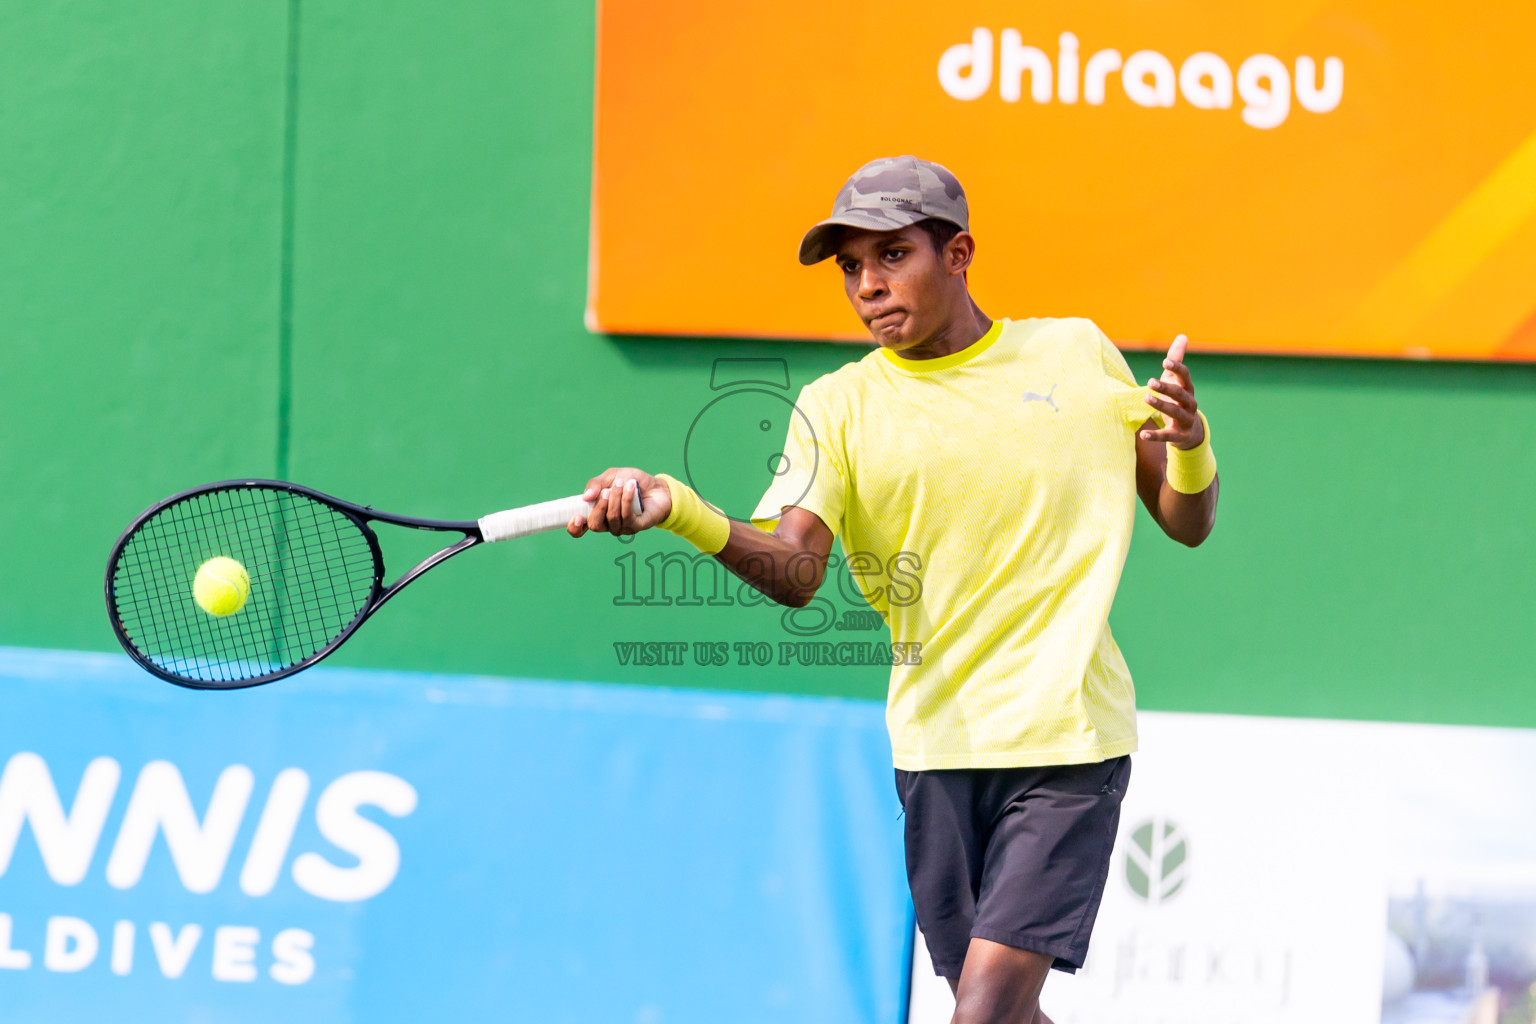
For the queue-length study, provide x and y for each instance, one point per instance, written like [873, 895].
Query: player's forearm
[781, 568]
[1187, 518]
[786, 565]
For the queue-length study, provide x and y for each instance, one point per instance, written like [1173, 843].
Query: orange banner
[1302, 177]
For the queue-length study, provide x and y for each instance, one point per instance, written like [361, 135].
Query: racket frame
[360, 515]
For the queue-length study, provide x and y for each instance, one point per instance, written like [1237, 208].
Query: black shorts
[1015, 855]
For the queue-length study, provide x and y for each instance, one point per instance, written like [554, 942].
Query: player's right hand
[613, 512]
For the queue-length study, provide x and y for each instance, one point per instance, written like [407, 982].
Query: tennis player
[1002, 458]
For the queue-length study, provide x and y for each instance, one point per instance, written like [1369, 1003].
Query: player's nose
[871, 285]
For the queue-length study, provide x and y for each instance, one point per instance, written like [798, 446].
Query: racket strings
[311, 568]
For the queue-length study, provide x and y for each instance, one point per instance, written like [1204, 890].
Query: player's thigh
[1048, 859]
[944, 848]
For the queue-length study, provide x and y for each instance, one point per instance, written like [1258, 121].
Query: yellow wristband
[1190, 472]
[692, 519]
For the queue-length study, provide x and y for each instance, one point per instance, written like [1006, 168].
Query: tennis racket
[315, 574]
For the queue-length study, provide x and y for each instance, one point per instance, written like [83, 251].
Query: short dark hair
[941, 232]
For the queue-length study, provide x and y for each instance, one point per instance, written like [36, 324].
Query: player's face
[898, 284]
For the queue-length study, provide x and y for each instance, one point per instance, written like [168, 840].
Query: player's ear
[959, 252]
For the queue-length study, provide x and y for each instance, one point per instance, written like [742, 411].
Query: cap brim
[820, 242]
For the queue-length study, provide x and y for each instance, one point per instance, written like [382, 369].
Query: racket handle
[546, 515]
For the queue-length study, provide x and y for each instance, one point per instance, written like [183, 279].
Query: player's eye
[895, 254]
[849, 267]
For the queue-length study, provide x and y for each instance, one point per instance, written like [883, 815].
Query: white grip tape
[546, 515]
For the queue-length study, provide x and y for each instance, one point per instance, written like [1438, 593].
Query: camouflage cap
[886, 195]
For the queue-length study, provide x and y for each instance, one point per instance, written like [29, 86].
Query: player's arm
[787, 565]
[1187, 518]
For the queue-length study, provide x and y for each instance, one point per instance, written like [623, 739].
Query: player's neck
[965, 328]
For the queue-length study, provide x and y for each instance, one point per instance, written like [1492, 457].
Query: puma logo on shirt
[1030, 396]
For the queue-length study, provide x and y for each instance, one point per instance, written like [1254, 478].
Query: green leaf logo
[1156, 859]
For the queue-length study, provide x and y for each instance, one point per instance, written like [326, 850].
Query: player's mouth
[887, 319]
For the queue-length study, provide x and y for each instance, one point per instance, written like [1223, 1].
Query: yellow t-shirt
[985, 501]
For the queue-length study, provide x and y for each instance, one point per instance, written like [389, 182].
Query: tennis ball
[221, 586]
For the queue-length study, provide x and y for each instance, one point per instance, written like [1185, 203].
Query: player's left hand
[1173, 395]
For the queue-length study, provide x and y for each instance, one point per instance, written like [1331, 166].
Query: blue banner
[376, 847]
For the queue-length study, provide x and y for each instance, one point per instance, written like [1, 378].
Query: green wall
[1374, 553]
